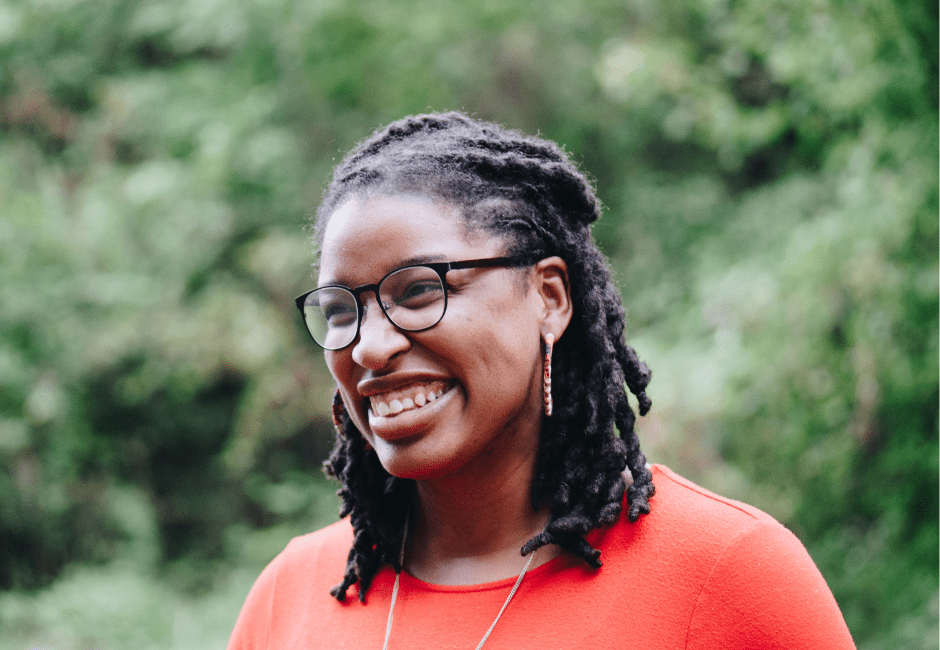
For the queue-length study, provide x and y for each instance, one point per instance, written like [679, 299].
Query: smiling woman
[476, 339]
[481, 363]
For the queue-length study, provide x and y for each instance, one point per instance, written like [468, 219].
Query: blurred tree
[769, 169]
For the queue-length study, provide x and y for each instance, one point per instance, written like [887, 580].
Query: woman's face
[469, 388]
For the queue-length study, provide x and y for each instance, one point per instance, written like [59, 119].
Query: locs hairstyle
[526, 191]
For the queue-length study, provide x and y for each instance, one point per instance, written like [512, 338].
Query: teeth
[403, 403]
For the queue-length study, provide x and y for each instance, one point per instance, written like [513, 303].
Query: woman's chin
[406, 461]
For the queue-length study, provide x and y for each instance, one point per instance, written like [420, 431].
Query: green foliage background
[769, 169]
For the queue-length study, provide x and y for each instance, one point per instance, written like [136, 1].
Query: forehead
[367, 237]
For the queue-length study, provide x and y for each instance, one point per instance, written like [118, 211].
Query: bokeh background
[769, 169]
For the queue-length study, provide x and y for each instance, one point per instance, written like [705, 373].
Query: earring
[338, 410]
[547, 373]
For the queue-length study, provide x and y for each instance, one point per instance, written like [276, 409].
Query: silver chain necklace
[401, 562]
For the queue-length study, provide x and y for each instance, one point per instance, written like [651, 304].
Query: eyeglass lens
[413, 299]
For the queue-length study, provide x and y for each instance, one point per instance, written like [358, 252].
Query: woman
[476, 338]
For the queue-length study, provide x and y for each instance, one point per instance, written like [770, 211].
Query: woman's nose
[379, 340]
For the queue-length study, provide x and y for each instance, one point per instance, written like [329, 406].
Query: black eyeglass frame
[441, 268]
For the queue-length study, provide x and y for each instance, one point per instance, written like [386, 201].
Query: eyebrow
[411, 261]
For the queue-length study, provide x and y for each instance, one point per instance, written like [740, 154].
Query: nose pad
[379, 340]
[370, 312]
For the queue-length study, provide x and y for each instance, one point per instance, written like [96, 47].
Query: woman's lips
[405, 424]
[409, 398]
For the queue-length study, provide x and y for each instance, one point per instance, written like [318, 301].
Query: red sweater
[699, 571]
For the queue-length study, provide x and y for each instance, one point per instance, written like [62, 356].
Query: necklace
[401, 561]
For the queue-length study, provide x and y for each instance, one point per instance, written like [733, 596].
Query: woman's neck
[471, 531]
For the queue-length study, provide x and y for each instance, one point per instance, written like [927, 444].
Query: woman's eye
[418, 294]
[339, 314]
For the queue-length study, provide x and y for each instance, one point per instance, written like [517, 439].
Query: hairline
[472, 230]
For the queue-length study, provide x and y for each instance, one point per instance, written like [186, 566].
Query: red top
[700, 571]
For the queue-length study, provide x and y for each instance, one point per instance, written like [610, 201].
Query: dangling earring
[338, 410]
[547, 373]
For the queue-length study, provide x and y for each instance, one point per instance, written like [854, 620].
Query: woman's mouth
[409, 398]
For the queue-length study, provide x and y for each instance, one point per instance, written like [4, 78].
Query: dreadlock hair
[526, 191]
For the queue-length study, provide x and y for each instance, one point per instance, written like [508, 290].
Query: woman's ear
[551, 282]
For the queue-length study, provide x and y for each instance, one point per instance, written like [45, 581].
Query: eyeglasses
[413, 298]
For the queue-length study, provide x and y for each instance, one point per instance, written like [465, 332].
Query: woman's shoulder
[326, 546]
[680, 502]
[752, 578]
[691, 525]
[696, 496]
[309, 564]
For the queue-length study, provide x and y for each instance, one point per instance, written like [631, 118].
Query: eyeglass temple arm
[484, 263]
